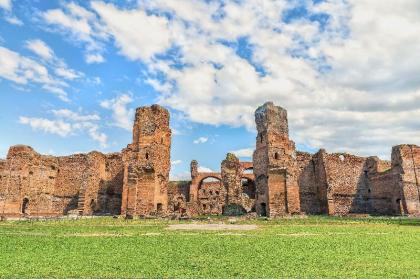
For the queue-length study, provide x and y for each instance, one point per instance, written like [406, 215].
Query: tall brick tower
[147, 163]
[275, 165]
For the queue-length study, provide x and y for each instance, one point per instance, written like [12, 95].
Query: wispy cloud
[246, 152]
[67, 123]
[220, 61]
[81, 26]
[122, 115]
[200, 140]
[40, 48]
[176, 162]
[22, 70]
[6, 4]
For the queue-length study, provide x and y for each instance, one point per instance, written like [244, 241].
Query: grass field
[314, 247]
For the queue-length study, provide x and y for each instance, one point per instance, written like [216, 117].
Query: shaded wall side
[308, 186]
[347, 184]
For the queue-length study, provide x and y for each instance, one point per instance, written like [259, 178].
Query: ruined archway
[211, 195]
[25, 205]
[248, 187]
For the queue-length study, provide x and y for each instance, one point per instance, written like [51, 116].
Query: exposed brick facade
[334, 184]
[275, 164]
[280, 180]
[147, 163]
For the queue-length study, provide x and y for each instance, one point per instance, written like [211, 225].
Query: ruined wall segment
[28, 183]
[37, 185]
[283, 181]
[231, 179]
[383, 192]
[310, 191]
[147, 163]
[406, 161]
[347, 183]
[101, 188]
[178, 192]
[275, 165]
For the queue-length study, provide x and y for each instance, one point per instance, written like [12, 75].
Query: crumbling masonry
[280, 180]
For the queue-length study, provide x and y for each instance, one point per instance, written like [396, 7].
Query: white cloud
[356, 73]
[70, 115]
[94, 58]
[22, 70]
[50, 73]
[183, 176]
[6, 4]
[201, 140]
[67, 73]
[40, 48]
[79, 25]
[151, 36]
[176, 162]
[67, 123]
[49, 126]
[122, 115]
[13, 20]
[204, 169]
[246, 152]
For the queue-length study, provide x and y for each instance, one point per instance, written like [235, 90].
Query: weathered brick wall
[231, 178]
[383, 191]
[72, 178]
[29, 185]
[310, 199]
[178, 192]
[347, 184]
[136, 181]
[104, 184]
[406, 160]
[38, 185]
[147, 163]
[275, 165]
[211, 197]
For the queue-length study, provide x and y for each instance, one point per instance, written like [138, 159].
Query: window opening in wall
[25, 204]
[276, 156]
[159, 207]
[147, 156]
[263, 209]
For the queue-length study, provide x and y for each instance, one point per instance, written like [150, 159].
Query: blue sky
[72, 73]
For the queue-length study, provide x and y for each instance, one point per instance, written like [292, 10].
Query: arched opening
[92, 205]
[209, 192]
[210, 184]
[25, 205]
[276, 156]
[399, 206]
[248, 187]
[248, 171]
[263, 211]
[159, 208]
[261, 138]
[147, 156]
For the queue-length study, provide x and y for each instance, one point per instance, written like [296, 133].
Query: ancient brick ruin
[280, 180]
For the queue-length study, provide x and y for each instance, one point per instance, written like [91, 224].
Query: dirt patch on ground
[213, 227]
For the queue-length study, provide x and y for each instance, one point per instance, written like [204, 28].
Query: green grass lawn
[314, 247]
